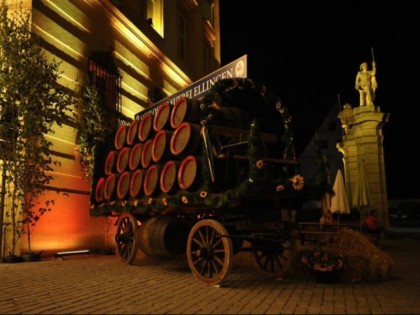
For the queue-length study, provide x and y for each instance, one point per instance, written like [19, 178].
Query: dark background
[309, 52]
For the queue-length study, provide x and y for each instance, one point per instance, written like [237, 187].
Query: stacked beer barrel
[157, 154]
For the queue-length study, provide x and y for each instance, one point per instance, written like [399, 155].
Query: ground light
[73, 252]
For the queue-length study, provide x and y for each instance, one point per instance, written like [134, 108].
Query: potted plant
[31, 105]
[327, 266]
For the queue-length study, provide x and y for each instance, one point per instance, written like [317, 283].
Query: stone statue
[366, 84]
[345, 116]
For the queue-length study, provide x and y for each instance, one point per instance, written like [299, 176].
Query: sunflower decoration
[165, 201]
[184, 199]
[260, 164]
[279, 188]
[203, 194]
[150, 201]
[297, 182]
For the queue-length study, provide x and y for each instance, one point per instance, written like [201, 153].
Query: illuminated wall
[70, 31]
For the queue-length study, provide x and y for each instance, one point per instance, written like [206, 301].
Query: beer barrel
[135, 156]
[123, 185]
[164, 237]
[136, 183]
[186, 140]
[120, 137]
[146, 154]
[168, 176]
[185, 109]
[132, 132]
[110, 162]
[151, 179]
[122, 159]
[160, 146]
[145, 127]
[188, 173]
[109, 186]
[161, 118]
[99, 190]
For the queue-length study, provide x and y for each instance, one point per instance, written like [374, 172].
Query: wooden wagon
[206, 179]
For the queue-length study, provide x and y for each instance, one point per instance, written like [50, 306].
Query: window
[155, 15]
[151, 5]
[104, 75]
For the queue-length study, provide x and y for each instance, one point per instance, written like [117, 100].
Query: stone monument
[362, 146]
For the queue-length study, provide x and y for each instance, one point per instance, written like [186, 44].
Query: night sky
[309, 52]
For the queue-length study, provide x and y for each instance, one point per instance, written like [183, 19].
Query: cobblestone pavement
[103, 285]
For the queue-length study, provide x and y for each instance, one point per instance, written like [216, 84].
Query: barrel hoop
[122, 160]
[168, 176]
[109, 162]
[162, 115]
[99, 190]
[123, 185]
[135, 156]
[120, 137]
[109, 188]
[150, 180]
[160, 145]
[136, 183]
[184, 110]
[187, 172]
[132, 132]
[145, 127]
[146, 154]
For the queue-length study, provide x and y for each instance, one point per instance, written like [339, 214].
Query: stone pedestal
[363, 143]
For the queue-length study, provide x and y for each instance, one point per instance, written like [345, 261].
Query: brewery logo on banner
[235, 69]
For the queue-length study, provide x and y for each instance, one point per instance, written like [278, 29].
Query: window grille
[108, 86]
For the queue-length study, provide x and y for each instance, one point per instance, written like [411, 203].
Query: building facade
[135, 52]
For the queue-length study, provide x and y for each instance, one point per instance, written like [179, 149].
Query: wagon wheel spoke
[217, 243]
[275, 260]
[126, 238]
[209, 255]
[201, 237]
[213, 235]
[215, 268]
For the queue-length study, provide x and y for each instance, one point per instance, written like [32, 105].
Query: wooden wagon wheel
[209, 251]
[275, 260]
[126, 238]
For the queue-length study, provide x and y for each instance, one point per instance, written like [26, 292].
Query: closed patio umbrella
[339, 202]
